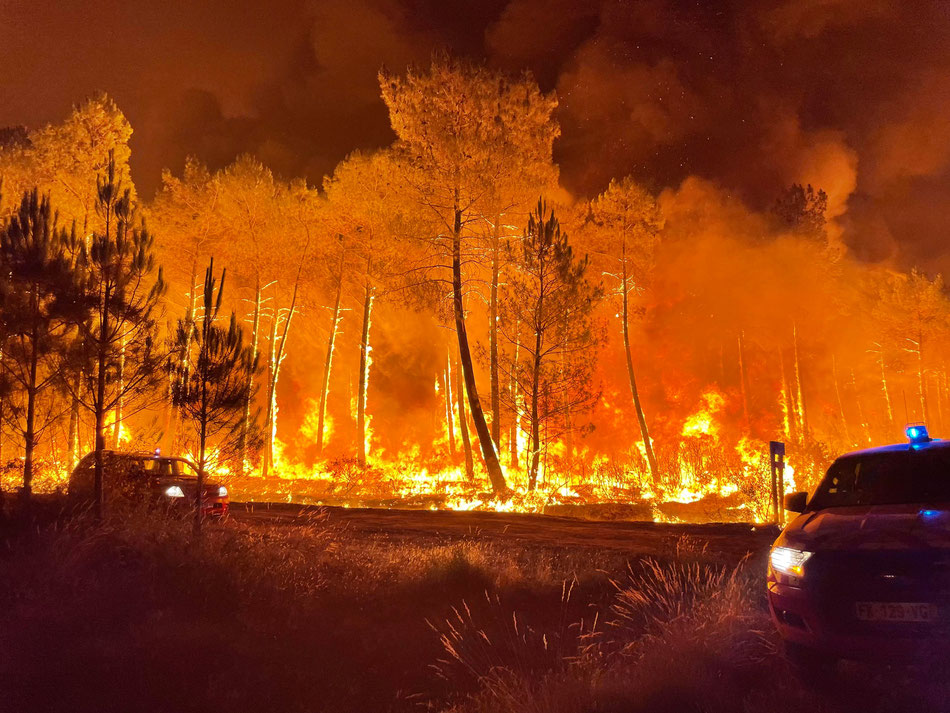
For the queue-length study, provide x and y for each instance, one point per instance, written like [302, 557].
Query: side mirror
[795, 502]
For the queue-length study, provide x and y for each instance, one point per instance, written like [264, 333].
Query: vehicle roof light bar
[917, 433]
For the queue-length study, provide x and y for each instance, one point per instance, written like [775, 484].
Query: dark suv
[864, 570]
[155, 479]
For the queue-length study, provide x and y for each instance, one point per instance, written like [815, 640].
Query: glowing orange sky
[853, 95]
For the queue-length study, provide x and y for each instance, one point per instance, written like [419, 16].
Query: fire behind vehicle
[151, 479]
[863, 572]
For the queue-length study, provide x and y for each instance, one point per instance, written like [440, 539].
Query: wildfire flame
[703, 421]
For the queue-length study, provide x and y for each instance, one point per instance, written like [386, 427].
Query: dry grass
[684, 635]
[136, 615]
[259, 618]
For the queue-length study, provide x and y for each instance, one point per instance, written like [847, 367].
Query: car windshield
[184, 469]
[157, 466]
[895, 478]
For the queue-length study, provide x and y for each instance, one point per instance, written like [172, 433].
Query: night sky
[851, 95]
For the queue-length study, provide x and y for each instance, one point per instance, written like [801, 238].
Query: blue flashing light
[917, 433]
[929, 513]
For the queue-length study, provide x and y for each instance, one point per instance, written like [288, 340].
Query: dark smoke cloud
[850, 95]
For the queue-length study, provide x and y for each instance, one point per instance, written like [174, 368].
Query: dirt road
[730, 541]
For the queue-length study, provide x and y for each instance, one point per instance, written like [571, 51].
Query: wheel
[811, 665]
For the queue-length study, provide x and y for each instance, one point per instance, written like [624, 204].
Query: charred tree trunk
[516, 412]
[73, 432]
[449, 408]
[269, 425]
[493, 335]
[568, 418]
[100, 408]
[277, 359]
[463, 426]
[31, 391]
[535, 417]
[492, 465]
[631, 377]
[246, 421]
[364, 372]
[175, 430]
[202, 442]
[120, 381]
[568, 429]
[328, 362]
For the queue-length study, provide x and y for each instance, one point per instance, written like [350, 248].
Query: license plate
[895, 611]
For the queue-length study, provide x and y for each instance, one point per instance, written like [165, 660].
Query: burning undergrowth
[416, 334]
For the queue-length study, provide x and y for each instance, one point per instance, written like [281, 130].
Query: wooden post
[777, 466]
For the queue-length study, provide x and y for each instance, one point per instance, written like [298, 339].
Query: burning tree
[115, 346]
[527, 172]
[912, 313]
[546, 313]
[39, 304]
[364, 210]
[628, 221]
[191, 231]
[764, 309]
[459, 128]
[213, 382]
[64, 160]
[269, 223]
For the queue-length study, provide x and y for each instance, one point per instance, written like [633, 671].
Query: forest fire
[499, 356]
[415, 335]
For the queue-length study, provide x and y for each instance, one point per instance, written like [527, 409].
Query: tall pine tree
[38, 304]
[121, 361]
[213, 383]
[546, 314]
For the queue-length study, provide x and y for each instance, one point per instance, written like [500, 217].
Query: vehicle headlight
[222, 492]
[790, 561]
[174, 491]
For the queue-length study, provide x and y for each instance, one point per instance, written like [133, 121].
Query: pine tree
[461, 129]
[38, 304]
[802, 209]
[121, 363]
[362, 204]
[547, 309]
[626, 221]
[220, 371]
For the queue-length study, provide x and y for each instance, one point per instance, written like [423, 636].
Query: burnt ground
[727, 542]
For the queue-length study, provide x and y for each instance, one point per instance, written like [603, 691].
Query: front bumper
[803, 618]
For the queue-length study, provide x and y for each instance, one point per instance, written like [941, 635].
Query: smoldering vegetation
[137, 615]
